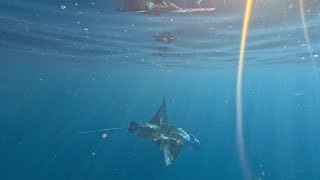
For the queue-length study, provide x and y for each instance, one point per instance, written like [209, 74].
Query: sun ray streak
[239, 128]
[305, 29]
[307, 37]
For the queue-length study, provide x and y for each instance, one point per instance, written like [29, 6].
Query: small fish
[165, 37]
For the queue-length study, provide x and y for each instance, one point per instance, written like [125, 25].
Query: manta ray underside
[169, 138]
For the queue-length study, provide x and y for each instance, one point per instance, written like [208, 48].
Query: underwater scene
[159, 89]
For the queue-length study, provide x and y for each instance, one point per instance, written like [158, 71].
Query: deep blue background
[58, 79]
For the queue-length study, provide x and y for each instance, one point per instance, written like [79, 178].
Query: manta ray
[169, 138]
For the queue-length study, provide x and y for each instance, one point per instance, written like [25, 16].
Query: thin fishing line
[100, 130]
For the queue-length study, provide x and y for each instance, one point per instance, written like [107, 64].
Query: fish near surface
[165, 37]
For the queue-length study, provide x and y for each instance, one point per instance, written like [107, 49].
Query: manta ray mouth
[133, 126]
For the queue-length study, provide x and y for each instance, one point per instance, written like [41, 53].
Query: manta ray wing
[160, 118]
[170, 149]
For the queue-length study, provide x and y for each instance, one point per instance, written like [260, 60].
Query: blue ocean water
[72, 66]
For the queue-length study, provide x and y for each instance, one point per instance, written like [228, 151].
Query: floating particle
[62, 6]
[316, 55]
[93, 153]
[298, 93]
[104, 135]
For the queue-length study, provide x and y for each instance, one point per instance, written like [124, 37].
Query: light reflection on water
[106, 35]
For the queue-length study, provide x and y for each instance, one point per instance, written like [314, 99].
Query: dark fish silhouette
[169, 138]
[165, 37]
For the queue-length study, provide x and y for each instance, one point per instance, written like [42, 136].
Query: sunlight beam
[239, 128]
[305, 29]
